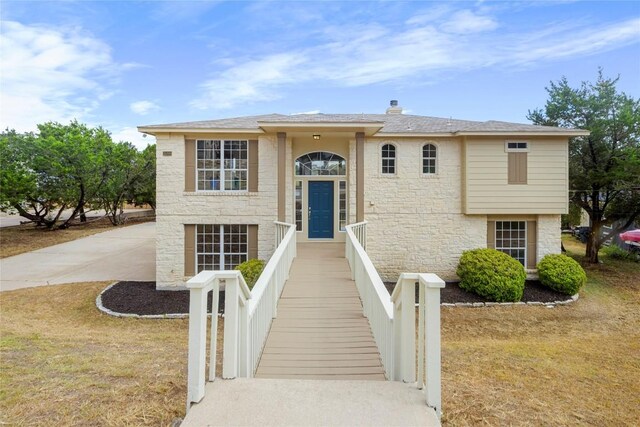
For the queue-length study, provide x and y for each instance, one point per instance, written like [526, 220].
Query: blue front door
[321, 209]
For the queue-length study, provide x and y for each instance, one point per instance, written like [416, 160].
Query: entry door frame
[327, 204]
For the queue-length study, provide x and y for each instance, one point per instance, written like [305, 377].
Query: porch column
[359, 176]
[282, 175]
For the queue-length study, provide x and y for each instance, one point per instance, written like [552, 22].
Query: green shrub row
[498, 277]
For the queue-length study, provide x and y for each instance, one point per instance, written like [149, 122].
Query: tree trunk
[83, 216]
[593, 243]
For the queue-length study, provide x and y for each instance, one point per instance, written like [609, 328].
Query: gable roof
[387, 124]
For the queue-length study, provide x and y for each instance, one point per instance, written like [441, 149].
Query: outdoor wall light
[316, 136]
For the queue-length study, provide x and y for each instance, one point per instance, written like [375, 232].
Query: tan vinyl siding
[532, 244]
[189, 250]
[517, 168]
[486, 186]
[253, 165]
[190, 165]
[252, 240]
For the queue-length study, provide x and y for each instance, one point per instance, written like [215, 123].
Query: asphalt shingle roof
[391, 123]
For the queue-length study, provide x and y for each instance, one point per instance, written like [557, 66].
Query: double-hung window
[220, 247]
[511, 238]
[222, 165]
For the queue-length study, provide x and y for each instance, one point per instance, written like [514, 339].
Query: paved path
[349, 403]
[320, 331]
[127, 253]
[7, 220]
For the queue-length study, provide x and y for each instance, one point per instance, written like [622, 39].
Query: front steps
[296, 402]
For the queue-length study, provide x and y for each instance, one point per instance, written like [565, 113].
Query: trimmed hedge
[251, 271]
[561, 273]
[491, 274]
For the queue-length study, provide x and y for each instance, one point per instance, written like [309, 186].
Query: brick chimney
[393, 107]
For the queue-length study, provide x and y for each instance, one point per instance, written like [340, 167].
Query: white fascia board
[569, 133]
[156, 130]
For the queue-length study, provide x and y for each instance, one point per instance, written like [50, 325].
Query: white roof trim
[154, 130]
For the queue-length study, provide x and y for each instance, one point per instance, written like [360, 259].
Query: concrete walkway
[126, 253]
[320, 331]
[276, 402]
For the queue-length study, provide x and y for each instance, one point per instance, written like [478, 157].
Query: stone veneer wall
[177, 207]
[549, 235]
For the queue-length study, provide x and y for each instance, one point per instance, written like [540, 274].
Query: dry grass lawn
[65, 363]
[24, 238]
[571, 365]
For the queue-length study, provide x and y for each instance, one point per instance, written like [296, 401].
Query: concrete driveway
[127, 253]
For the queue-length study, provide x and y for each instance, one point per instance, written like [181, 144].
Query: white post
[197, 344]
[231, 325]
[421, 321]
[407, 329]
[213, 344]
[433, 394]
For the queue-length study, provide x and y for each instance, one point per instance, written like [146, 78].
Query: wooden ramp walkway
[320, 331]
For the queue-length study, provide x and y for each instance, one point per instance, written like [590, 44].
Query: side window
[221, 165]
[429, 158]
[388, 159]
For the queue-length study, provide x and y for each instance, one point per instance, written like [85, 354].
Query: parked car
[582, 233]
[631, 236]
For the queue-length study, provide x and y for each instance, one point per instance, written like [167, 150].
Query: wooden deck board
[320, 331]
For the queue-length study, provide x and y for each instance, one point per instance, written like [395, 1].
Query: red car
[631, 236]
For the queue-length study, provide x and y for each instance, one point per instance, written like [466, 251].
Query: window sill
[220, 193]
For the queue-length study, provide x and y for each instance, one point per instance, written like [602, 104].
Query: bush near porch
[491, 274]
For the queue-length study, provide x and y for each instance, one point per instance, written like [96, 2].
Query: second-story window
[388, 159]
[222, 165]
[429, 153]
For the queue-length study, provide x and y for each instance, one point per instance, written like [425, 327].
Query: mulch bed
[142, 298]
[534, 291]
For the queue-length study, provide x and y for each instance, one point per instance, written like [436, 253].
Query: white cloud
[465, 22]
[50, 74]
[370, 54]
[143, 107]
[306, 112]
[131, 134]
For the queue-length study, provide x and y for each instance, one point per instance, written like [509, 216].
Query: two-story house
[428, 187]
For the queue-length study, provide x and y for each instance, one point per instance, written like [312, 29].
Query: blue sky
[120, 64]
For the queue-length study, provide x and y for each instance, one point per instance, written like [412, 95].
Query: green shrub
[561, 273]
[491, 274]
[616, 252]
[251, 271]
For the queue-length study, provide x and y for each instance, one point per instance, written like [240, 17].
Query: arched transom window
[429, 154]
[389, 159]
[321, 163]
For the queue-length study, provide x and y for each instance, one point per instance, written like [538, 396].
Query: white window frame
[508, 149]
[221, 252]
[346, 205]
[222, 169]
[395, 159]
[526, 240]
[435, 159]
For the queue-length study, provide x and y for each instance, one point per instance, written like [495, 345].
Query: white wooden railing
[247, 319]
[393, 319]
